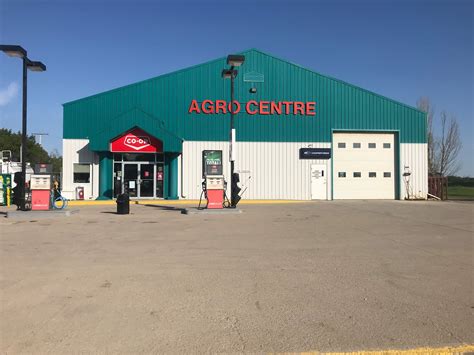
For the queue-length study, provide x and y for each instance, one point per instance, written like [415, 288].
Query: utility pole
[40, 135]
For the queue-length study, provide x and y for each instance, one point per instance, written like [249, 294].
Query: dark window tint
[356, 145]
[386, 145]
[387, 174]
[357, 174]
[372, 174]
[81, 173]
[372, 145]
[341, 145]
[342, 174]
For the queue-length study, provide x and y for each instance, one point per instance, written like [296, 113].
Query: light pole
[20, 52]
[234, 60]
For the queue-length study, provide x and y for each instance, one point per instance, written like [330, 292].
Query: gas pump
[40, 186]
[213, 185]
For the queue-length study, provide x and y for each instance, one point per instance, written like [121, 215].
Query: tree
[449, 145]
[424, 105]
[35, 152]
[443, 149]
[57, 160]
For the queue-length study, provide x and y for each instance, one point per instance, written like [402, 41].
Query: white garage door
[364, 165]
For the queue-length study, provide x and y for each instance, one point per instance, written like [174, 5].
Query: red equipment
[40, 192]
[215, 191]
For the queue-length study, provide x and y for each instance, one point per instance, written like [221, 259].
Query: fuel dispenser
[40, 186]
[213, 185]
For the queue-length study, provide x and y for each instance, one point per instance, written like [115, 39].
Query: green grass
[460, 192]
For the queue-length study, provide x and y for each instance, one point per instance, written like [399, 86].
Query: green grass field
[460, 193]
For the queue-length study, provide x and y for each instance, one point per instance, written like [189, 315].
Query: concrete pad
[322, 276]
[205, 211]
[34, 215]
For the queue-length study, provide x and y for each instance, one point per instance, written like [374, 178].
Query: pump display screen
[211, 162]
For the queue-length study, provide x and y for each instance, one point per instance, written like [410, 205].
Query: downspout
[182, 176]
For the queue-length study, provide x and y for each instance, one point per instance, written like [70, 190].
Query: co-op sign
[252, 107]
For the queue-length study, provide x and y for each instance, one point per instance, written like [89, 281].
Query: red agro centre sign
[253, 107]
[136, 141]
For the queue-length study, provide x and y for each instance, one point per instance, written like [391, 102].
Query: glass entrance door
[159, 180]
[147, 181]
[139, 175]
[130, 179]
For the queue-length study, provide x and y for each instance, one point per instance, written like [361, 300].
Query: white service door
[364, 165]
[318, 182]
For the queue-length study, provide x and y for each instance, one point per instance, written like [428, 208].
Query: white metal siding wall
[415, 157]
[275, 170]
[76, 151]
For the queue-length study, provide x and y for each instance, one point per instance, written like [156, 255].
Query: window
[355, 145]
[82, 173]
[372, 174]
[341, 174]
[147, 157]
[341, 145]
[386, 145]
[357, 175]
[387, 174]
[372, 145]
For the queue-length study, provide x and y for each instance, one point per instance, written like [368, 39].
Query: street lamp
[234, 60]
[20, 52]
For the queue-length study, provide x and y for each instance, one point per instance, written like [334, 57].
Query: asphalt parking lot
[332, 276]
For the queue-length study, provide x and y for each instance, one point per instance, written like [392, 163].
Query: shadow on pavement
[167, 208]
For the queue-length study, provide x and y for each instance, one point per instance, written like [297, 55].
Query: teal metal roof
[161, 104]
[124, 122]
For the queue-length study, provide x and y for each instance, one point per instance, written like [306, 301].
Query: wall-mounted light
[253, 90]
[235, 60]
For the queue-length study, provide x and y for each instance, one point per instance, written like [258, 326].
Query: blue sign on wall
[315, 153]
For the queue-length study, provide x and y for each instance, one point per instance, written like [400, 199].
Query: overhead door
[364, 165]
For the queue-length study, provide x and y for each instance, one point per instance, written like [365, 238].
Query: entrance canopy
[136, 141]
[141, 124]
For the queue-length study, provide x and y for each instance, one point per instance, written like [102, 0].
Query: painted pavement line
[462, 349]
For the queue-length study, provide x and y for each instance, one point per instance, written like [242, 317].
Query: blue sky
[400, 49]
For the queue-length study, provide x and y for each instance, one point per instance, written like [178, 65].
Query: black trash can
[123, 204]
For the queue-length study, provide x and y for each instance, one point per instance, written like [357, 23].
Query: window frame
[81, 181]
[387, 144]
[373, 173]
[356, 172]
[339, 174]
[341, 145]
[373, 147]
[385, 173]
[356, 145]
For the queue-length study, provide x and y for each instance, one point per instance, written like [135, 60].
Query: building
[300, 135]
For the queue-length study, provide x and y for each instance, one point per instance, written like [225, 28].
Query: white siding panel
[414, 158]
[269, 170]
[76, 151]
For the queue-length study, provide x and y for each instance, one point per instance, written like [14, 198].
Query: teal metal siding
[167, 98]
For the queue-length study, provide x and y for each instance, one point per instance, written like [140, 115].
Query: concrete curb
[32, 215]
[178, 202]
[205, 211]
